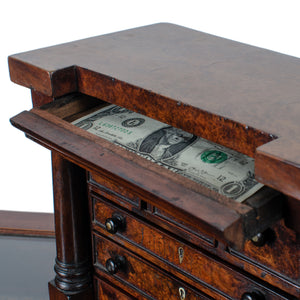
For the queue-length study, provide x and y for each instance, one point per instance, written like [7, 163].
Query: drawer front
[276, 259]
[211, 275]
[105, 291]
[147, 211]
[162, 217]
[120, 193]
[280, 252]
[113, 189]
[151, 281]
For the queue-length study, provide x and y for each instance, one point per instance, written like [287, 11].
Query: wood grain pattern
[280, 253]
[153, 281]
[277, 260]
[39, 99]
[141, 275]
[216, 128]
[237, 95]
[169, 222]
[108, 292]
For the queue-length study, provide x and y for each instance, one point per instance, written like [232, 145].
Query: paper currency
[218, 168]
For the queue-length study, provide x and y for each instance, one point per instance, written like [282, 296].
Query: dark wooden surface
[26, 223]
[72, 231]
[238, 95]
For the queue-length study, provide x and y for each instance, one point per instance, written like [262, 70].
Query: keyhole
[182, 293]
[180, 254]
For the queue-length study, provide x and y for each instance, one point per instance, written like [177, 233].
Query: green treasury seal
[213, 156]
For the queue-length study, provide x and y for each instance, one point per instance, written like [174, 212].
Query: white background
[26, 183]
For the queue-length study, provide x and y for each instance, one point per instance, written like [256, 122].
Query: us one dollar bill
[220, 169]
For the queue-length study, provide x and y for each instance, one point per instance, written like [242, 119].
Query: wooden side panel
[39, 99]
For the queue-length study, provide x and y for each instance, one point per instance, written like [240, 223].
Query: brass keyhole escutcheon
[180, 254]
[182, 293]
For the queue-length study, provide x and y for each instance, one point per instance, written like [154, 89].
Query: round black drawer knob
[114, 224]
[266, 237]
[259, 240]
[253, 296]
[113, 265]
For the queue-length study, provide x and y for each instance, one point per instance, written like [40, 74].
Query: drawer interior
[73, 106]
[220, 169]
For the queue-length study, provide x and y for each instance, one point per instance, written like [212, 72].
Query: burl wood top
[243, 97]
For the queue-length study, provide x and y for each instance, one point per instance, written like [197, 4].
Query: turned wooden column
[73, 263]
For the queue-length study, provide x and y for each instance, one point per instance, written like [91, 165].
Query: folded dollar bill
[220, 169]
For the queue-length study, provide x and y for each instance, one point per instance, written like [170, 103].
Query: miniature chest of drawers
[128, 228]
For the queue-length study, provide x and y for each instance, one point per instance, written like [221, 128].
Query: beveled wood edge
[29, 75]
[55, 83]
[31, 224]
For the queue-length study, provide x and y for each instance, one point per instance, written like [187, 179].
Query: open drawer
[194, 204]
